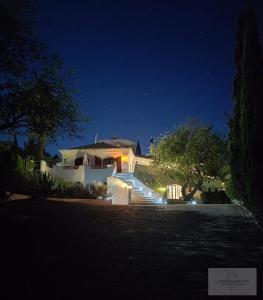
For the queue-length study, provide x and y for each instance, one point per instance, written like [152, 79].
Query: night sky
[142, 67]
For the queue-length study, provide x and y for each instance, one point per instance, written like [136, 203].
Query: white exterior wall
[83, 174]
[120, 192]
[143, 161]
[71, 154]
[131, 161]
[74, 175]
[97, 175]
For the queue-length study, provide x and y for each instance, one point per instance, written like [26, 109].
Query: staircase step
[143, 199]
[140, 201]
[139, 196]
[145, 203]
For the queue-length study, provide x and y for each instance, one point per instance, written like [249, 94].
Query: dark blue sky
[143, 67]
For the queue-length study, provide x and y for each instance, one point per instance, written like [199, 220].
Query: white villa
[114, 162]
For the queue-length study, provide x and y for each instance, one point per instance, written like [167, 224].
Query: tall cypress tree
[246, 124]
[236, 160]
[252, 115]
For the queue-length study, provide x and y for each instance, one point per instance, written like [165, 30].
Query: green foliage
[35, 93]
[30, 148]
[192, 153]
[50, 96]
[97, 190]
[229, 188]
[20, 51]
[43, 183]
[77, 190]
[212, 184]
[11, 165]
[20, 175]
[20, 165]
[30, 151]
[215, 197]
[19, 44]
[157, 186]
[154, 184]
[225, 175]
[246, 125]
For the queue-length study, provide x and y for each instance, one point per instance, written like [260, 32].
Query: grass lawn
[63, 250]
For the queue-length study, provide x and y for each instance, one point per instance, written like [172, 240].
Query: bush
[37, 184]
[229, 187]
[3, 195]
[228, 182]
[216, 197]
[44, 184]
[11, 166]
[97, 190]
[77, 190]
[20, 176]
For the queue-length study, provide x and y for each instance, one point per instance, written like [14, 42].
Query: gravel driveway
[61, 250]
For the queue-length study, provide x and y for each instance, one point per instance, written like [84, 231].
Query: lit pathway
[58, 250]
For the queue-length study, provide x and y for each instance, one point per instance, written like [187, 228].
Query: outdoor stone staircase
[140, 194]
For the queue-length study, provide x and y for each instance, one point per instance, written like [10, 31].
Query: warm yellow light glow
[124, 158]
[162, 189]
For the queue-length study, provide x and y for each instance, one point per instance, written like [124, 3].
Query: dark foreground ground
[56, 250]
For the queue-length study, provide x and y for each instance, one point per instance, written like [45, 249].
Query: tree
[19, 44]
[246, 124]
[11, 164]
[20, 51]
[236, 156]
[35, 97]
[54, 113]
[192, 153]
[138, 149]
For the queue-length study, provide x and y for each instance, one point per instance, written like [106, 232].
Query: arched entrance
[107, 161]
[98, 162]
[118, 163]
[104, 162]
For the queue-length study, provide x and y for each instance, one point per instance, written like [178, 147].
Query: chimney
[96, 138]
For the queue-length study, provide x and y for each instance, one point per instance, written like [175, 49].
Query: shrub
[77, 190]
[97, 190]
[44, 183]
[11, 166]
[229, 187]
[216, 197]
[3, 195]
[62, 188]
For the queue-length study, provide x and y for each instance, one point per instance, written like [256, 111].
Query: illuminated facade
[95, 162]
[111, 162]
